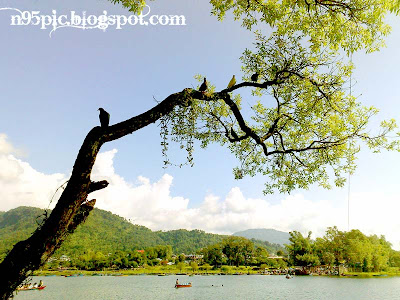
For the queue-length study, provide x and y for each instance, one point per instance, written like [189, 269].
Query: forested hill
[106, 232]
[263, 234]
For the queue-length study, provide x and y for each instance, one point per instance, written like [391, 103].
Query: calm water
[225, 287]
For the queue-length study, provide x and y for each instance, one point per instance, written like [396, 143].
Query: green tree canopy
[352, 248]
[302, 125]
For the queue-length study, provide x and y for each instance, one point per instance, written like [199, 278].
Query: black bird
[104, 118]
[203, 86]
[254, 77]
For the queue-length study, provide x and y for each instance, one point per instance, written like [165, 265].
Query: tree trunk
[73, 207]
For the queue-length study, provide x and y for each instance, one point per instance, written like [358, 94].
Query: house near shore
[275, 257]
[64, 258]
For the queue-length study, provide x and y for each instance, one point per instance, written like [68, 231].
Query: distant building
[140, 251]
[193, 256]
[275, 257]
[64, 258]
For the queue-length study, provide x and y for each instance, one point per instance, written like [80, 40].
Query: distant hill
[189, 241]
[15, 225]
[263, 234]
[106, 232]
[103, 231]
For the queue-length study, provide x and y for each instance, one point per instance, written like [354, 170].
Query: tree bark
[73, 207]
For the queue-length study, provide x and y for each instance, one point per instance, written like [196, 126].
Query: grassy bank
[371, 274]
[172, 270]
[156, 270]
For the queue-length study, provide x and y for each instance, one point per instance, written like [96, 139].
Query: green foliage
[226, 269]
[213, 254]
[16, 225]
[238, 250]
[194, 266]
[234, 251]
[353, 248]
[188, 241]
[322, 22]
[180, 266]
[307, 126]
[104, 232]
[106, 240]
[300, 249]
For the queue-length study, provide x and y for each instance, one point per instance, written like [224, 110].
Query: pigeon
[104, 118]
[203, 86]
[254, 77]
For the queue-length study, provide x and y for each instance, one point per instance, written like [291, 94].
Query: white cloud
[151, 203]
[5, 146]
[20, 184]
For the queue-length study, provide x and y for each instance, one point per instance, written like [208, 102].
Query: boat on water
[31, 288]
[183, 285]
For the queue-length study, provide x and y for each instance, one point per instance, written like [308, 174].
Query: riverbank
[160, 271]
[170, 270]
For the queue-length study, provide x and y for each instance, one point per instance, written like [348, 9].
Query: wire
[349, 184]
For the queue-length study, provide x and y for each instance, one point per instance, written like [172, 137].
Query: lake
[225, 287]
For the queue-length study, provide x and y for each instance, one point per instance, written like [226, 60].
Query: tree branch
[97, 185]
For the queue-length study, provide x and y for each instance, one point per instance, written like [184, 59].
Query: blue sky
[51, 89]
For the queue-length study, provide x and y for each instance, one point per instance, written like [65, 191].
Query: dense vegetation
[353, 249]
[108, 239]
[239, 251]
[185, 241]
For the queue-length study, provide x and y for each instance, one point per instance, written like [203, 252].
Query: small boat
[32, 288]
[183, 285]
[288, 276]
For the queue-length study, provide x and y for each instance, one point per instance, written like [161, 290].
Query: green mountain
[263, 234]
[183, 241]
[16, 225]
[107, 233]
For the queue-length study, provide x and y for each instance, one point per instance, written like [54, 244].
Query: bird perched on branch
[232, 82]
[254, 77]
[104, 118]
[203, 86]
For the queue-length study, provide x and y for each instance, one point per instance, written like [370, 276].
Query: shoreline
[77, 273]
